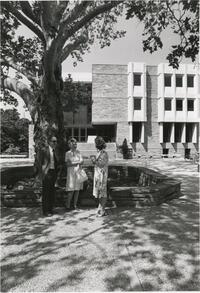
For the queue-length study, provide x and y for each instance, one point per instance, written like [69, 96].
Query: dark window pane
[137, 131]
[76, 134]
[187, 153]
[168, 80]
[165, 152]
[190, 105]
[189, 131]
[167, 132]
[83, 134]
[137, 79]
[179, 105]
[137, 104]
[178, 131]
[168, 105]
[190, 81]
[179, 80]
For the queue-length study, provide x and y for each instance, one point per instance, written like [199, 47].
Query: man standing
[49, 162]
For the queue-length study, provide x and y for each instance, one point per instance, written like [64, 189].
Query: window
[190, 80]
[187, 153]
[179, 105]
[137, 79]
[178, 131]
[167, 127]
[76, 133]
[165, 153]
[83, 135]
[168, 104]
[137, 131]
[179, 80]
[190, 105]
[168, 78]
[189, 131]
[137, 104]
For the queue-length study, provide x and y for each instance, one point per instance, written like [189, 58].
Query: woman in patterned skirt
[100, 175]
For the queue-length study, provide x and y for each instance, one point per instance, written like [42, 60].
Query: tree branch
[178, 21]
[20, 69]
[75, 13]
[27, 10]
[72, 46]
[23, 91]
[88, 17]
[24, 20]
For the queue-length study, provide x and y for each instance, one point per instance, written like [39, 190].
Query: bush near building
[14, 132]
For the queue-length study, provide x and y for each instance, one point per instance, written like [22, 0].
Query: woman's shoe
[101, 213]
[67, 209]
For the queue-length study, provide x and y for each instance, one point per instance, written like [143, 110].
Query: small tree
[125, 149]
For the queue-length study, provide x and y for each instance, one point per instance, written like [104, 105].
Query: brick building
[156, 108]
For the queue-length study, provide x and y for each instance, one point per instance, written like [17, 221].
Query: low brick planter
[127, 186]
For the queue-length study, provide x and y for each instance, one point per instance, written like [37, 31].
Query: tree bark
[50, 113]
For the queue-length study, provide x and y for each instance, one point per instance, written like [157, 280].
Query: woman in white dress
[100, 175]
[73, 161]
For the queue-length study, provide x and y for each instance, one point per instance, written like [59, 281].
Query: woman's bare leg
[69, 198]
[102, 203]
[76, 194]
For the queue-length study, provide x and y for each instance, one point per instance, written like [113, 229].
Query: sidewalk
[144, 249]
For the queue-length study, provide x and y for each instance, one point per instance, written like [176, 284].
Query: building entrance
[107, 131]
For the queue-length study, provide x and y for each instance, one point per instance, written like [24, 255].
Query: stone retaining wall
[127, 186]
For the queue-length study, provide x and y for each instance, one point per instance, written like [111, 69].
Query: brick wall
[109, 95]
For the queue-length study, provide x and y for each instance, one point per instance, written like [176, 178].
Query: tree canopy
[182, 16]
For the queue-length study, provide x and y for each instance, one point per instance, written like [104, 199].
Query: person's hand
[93, 159]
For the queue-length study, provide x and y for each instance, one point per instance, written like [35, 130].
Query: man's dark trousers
[48, 191]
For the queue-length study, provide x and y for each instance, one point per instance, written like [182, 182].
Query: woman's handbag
[81, 176]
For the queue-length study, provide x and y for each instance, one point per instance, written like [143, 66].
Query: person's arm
[81, 160]
[102, 160]
[69, 163]
[93, 159]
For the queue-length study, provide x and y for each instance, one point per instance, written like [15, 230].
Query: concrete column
[194, 134]
[161, 132]
[131, 132]
[130, 109]
[183, 137]
[174, 83]
[172, 134]
[142, 133]
[31, 150]
[174, 108]
[185, 108]
[130, 91]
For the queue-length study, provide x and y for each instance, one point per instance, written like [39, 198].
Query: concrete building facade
[156, 108]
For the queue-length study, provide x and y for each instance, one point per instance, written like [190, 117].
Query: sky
[121, 51]
[124, 50]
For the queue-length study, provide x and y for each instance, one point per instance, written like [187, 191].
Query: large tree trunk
[50, 113]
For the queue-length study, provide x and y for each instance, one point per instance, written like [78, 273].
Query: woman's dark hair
[71, 140]
[100, 143]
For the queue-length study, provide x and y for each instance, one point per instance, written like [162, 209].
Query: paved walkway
[144, 249]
